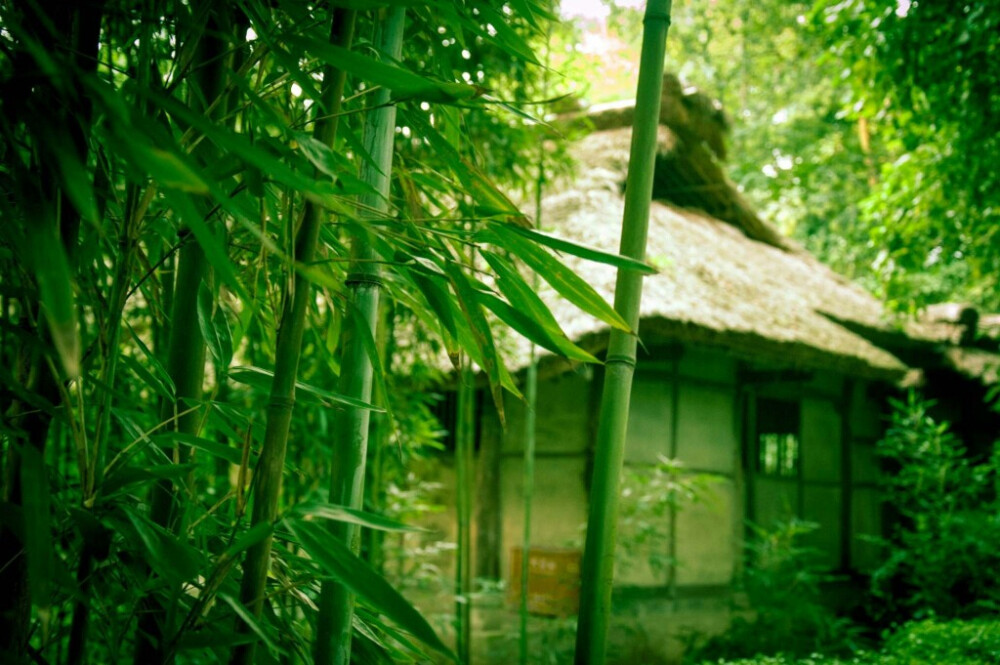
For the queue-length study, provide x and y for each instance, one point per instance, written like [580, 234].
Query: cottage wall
[867, 427]
[699, 406]
[559, 505]
[692, 405]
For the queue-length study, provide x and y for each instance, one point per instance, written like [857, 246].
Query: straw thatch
[727, 278]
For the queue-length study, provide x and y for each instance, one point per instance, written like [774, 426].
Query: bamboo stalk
[599, 555]
[464, 443]
[528, 487]
[289, 346]
[336, 603]
[531, 404]
[381, 431]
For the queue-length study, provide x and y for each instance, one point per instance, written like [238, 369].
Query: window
[778, 438]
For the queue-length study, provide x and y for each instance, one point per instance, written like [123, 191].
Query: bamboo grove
[213, 215]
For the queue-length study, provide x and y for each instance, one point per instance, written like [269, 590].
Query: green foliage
[865, 129]
[648, 497]
[925, 76]
[919, 643]
[942, 557]
[976, 641]
[138, 138]
[783, 611]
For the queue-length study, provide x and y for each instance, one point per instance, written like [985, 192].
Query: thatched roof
[727, 278]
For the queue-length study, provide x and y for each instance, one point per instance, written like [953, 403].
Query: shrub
[943, 555]
[781, 583]
[919, 643]
[947, 642]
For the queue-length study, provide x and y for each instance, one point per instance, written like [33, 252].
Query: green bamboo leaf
[481, 333]
[322, 192]
[505, 37]
[261, 378]
[154, 383]
[288, 62]
[251, 537]
[518, 292]
[364, 334]
[167, 169]
[159, 371]
[55, 284]
[530, 11]
[167, 555]
[73, 172]
[533, 330]
[331, 511]
[333, 164]
[576, 249]
[212, 638]
[337, 560]
[567, 283]
[37, 528]
[11, 384]
[244, 614]
[214, 329]
[402, 82]
[214, 448]
[123, 476]
[439, 300]
[489, 200]
[400, 647]
[214, 250]
[405, 292]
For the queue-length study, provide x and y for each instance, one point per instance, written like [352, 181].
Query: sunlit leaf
[55, 283]
[337, 560]
[480, 328]
[330, 511]
[214, 328]
[261, 379]
[255, 626]
[576, 249]
[567, 283]
[168, 556]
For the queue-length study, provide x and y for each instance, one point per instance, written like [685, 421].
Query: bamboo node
[657, 16]
[620, 360]
[281, 403]
[364, 278]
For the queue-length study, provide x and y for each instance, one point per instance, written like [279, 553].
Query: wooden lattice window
[778, 446]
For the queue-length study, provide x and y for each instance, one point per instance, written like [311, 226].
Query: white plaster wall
[864, 463]
[866, 516]
[561, 420]
[650, 413]
[823, 505]
[774, 500]
[558, 508]
[707, 437]
[821, 441]
[705, 546]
